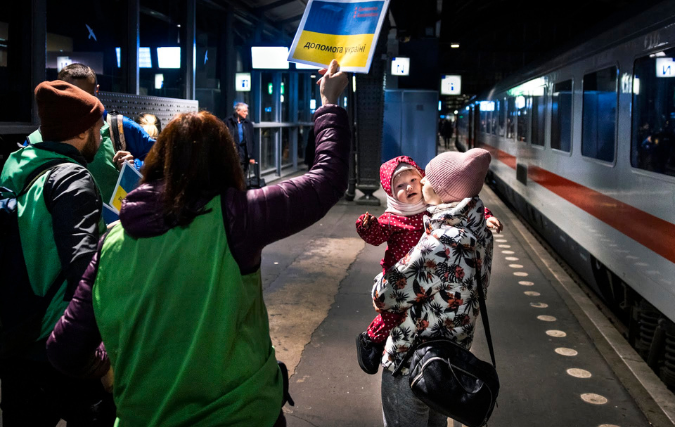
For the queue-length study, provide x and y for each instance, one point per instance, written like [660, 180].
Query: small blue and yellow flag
[127, 181]
[344, 30]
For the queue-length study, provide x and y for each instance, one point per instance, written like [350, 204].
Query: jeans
[400, 407]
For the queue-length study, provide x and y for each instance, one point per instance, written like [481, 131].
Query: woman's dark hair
[196, 159]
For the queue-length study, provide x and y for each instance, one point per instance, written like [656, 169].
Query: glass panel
[161, 38]
[653, 136]
[267, 90]
[561, 116]
[267, 148]
[483, 121]
[303, 98]
[599, 114]
[285, 91]
[286, 155]
[15, 62]
[302, 142]
[510, 117]
[87, 37]
[538, 119]
[207, 80]
[523, 105]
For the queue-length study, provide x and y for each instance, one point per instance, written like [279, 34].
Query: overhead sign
[451, 85]
[242, 82]
[665, 67]
[400, 66]
[344, 30]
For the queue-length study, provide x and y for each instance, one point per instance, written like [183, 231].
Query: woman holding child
[432, 289]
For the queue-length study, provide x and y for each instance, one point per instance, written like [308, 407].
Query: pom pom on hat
[454, 176]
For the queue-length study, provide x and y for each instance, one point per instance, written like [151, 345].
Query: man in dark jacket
[242, 133]
[58, 222]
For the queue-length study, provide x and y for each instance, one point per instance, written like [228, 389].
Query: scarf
[404, 209]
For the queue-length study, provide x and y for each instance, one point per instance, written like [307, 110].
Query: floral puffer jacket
[434, 285]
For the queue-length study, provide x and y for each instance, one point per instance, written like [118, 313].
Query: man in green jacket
[58, 221]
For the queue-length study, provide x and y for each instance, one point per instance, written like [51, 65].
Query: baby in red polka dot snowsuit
[400, 226]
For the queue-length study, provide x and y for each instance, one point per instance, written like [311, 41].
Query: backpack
[116, 123]
[21, 311]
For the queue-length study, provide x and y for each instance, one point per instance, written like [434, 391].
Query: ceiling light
[454, 45]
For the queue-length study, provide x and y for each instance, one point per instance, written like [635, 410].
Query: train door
[476, 126]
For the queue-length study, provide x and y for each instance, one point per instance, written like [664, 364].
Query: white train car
[584, 147]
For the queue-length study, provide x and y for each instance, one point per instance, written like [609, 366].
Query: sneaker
[368, 353]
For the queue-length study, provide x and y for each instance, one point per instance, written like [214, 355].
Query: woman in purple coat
[174, 291]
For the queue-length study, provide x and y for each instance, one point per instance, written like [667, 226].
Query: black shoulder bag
[451, 380]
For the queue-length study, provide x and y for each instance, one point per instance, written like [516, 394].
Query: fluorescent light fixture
[456, 112]
[440, 105]
[487, 106]
[454, 45]
[344, 102]
[657, 54]
[145, 60]
[353, 83]
[168, 57]
[451, 85]
[400, 66]
[468, 108]
[636, 86]
[118, 52]
[299, 66]
[533, 87]
[312, 104]
[242, 82]
[520, 102]
[665, 67]
[265, 57]
[282, 98]
[159, 81]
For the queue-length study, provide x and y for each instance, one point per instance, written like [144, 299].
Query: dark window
[495, 117]
[488, 121]
[502, 124]
[523, 118]
[510, 118]
[483, 120]
[538, 119]
[15, 61]
[599, 114]
[561, 116]
[653, 136]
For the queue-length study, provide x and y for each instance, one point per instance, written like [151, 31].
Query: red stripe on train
[646, 229]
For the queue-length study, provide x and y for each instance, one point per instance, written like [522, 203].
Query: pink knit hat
[388, 169]
[455, 176]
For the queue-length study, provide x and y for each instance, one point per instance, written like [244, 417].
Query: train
[583, 147]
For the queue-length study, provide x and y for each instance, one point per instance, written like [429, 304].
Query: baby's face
[407, 187]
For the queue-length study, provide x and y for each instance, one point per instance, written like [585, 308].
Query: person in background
[58, 226]
[187, 335]
[108, 161]
[150, 123]
[241, 130]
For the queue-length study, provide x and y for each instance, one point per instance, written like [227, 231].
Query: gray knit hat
[455, 176]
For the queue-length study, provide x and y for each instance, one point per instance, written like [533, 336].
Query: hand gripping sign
[344, 30]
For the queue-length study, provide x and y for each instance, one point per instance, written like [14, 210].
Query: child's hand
[494, 224]
[366, 220]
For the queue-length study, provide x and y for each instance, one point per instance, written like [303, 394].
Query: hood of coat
[387, 170]
[142, 213]
[468, 213]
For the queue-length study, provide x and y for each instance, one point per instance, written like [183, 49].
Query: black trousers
[36, 394]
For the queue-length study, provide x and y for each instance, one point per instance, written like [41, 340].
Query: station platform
[552, 371]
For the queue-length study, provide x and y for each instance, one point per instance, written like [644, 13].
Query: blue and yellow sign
[127, 181]
[344, 30]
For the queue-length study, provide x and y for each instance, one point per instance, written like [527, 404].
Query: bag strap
[116, 123]
[484, 316]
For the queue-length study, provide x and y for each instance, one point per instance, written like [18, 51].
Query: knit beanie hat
[392, 167]
[65, 110]
[455, 176]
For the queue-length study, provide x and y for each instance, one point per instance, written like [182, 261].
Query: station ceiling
[496, 37]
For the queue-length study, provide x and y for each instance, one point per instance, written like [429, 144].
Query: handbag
[451, 380]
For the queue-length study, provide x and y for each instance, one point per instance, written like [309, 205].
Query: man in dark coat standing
[242, 133]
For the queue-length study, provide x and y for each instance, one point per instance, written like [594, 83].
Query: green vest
[35, 228]
[186, 333]
[102, 168]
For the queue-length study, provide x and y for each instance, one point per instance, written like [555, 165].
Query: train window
[522, 118]
[496, 117]
[538, 119]
[598, 121]
[653, 136]
[488, 121]
[561, 116]
[510, 117]
[483, 121]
